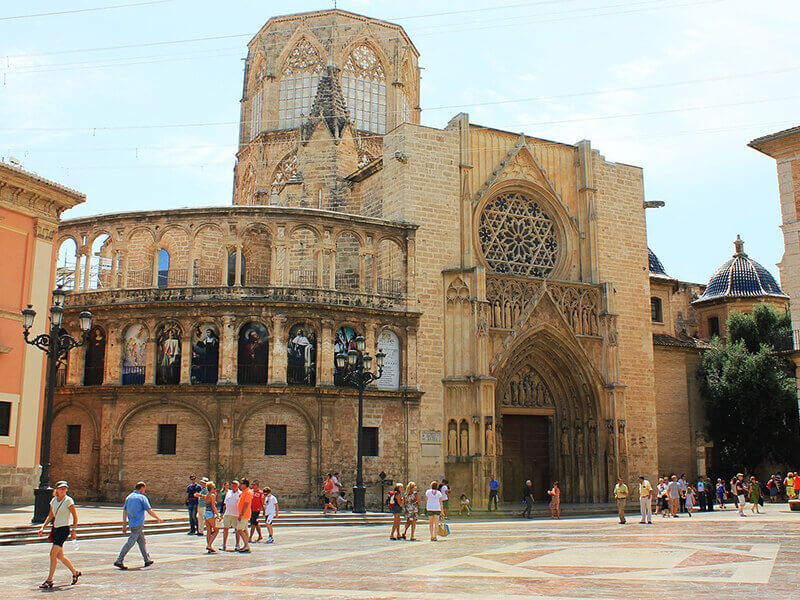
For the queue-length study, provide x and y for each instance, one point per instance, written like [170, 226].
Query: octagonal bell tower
[320, 91]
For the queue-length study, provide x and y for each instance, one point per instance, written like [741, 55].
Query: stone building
[505, 276]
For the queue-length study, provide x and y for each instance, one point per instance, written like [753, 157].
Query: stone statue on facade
[592, 437]
[564, 439]
[491, 442]
[578, 439]
[452, 442]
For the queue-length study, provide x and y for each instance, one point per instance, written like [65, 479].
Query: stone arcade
[505, 276]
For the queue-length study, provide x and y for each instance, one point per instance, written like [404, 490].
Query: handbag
[55, 514]
[443, 529]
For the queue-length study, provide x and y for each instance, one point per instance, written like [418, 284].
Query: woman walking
[211, 515]
[433, 506]
[411, 508]
[721, 493]
[61, 506]
[555, 501]
[755, 494]
[396, 508]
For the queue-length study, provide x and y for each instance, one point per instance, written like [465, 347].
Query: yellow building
[505, 276]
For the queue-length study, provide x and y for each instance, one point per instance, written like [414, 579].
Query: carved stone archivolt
[527, 390]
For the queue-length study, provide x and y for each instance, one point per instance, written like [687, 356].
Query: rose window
[517, 237]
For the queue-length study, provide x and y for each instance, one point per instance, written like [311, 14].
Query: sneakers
[147, 563]
[120, 566]
[270, 540]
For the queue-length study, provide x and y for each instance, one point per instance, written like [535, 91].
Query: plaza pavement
[711, 555]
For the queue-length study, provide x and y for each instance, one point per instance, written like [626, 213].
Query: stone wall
[17, 484]
[675, 383]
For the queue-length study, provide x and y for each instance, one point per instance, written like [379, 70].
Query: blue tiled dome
[741, 277]
[656, 268]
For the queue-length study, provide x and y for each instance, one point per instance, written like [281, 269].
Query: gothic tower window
[656, 312]
[364, 87]
[517, 237]
[298, 85]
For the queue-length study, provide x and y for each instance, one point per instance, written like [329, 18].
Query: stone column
[411, 265]
[115, 258]
[277, 363]
[374, 283]
[325, 355]
[154, 281]
[238, 267]
[362, 271]
[76, 276]
[186, 355]
[113, 358]
[320, 267]
[123, 278]
[150, 355]
[227, 351]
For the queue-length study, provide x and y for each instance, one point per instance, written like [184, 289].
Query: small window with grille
[167, 439]
[275, 440]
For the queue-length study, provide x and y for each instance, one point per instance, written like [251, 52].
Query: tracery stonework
[303, 58]
[517, 237]
[364, 62]
[285, 170]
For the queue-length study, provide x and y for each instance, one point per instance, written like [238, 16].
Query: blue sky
[677, 87]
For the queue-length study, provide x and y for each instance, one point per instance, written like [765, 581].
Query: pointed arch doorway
[549, 405]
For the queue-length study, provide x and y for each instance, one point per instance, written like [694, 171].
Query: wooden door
[526, 455]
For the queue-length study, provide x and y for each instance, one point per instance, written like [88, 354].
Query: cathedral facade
[506, 278]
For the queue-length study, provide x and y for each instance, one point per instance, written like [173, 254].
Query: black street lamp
[56, 346]
[359, 375]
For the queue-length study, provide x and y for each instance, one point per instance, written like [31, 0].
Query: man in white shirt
[444, 488]
[231, 516]
[674, 491]
[645, 500]
[270, 511]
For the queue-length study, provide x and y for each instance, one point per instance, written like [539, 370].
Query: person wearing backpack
[396, 508]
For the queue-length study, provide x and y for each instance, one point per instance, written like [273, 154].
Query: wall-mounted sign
[389, 344]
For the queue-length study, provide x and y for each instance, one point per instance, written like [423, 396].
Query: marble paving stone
[571, 558]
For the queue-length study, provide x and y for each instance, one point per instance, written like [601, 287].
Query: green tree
[750, 394]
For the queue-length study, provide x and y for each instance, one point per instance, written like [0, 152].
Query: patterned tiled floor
[708, 556]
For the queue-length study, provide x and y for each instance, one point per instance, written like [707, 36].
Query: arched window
[95, 357]
[205, 354]
[285, 170]
[364, 88]
[656, 310]
[298, 85]
[232, 269]
[301, 365]
[348, 262]
[168, 354]
[163, 268]
[253, 354]
[100, 263]
[65, 267]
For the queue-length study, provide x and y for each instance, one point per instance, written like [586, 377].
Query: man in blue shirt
[191, 504]
[494, 486]
[136, 504]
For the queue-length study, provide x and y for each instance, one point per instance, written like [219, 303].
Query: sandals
[75, 578]
[211, 550]
[46, 585]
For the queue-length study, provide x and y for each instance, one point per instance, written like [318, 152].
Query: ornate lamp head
[379, 359]
[85, 319]
[28, 315]
[341, 359]
[352, 357]
[361, 343]
[367, 362]
[58, 296]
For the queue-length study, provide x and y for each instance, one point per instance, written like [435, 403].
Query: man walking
[494, 487]
[645, 500]
[621, 496]
[270, 511]
[245, 512]
[527, 498]
[674, 491]
[445, 489]
[201, 505]
[230, 518]
[191, 504]
[255, 512]
[136, 504]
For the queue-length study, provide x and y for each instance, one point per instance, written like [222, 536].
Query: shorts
[269, 517]
[60, 535]
[230, 521]
[241, 524]
[741, 499]
[254, 517]
[434, 512]
[209, 514]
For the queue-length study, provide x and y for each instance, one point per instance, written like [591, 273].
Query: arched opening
[75, 450]
[364, 89]
[209, 263]
[301, 350]
[134, 354]
[205, 354]
[232, 256]
[95, 362]
[256, 256]
[344, 341]
[163, 268]
[298, 84]
[101, 263]
[65, 265]
[253, 354]
[303, 258]
[391, 268]
[549, 415]
[168, 354]
[348, 262]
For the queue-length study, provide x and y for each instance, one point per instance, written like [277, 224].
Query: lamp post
[56, 346]
[359, 375]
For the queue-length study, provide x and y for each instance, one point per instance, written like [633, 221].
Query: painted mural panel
[253, 354]
[134, 355]
[168, 355]
[301, 368]
[205, 354]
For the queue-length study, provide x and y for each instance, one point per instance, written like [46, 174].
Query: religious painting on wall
[133, 357]
[205, 354]
[301, 355]
[389, 344]
[253, 354]
[168, 355]
[344, 340]
[95, 357]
